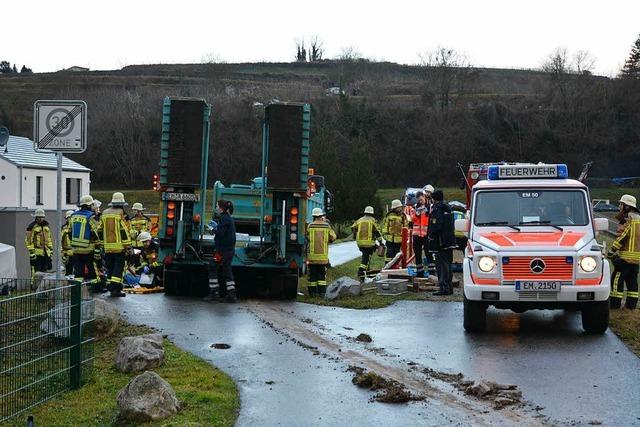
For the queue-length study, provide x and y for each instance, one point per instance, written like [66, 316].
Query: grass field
[208, 396]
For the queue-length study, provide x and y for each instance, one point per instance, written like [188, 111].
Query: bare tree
[445, 71]
[316, 49]
[349, 54]
[557, 62]
[212, 58]
[583, 62]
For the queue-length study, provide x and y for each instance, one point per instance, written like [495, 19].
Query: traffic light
[156, 182]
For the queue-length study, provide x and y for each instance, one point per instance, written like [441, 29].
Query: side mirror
[601, 224]
[462, 225]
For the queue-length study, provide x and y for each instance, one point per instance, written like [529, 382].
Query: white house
[28, 178]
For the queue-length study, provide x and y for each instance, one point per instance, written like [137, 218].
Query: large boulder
[106, 319]
[343, 286]
[147, 397]
[140, 353]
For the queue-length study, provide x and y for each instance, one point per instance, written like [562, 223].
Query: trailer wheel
[595, 317]
[475, 316]
[290, 288]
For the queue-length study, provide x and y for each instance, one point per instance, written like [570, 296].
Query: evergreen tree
[14, 70]
[5, 67]
[631, 67]
[25, 70]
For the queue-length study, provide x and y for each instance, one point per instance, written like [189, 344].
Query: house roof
[21, 152]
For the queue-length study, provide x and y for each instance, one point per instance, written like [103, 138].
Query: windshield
[531, 207]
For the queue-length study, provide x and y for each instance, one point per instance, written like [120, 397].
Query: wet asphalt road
[574, 376]
[341, 253]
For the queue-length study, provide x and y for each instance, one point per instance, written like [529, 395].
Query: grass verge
[208, 396]
[626, 325]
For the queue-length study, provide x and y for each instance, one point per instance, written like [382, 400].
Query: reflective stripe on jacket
[392, 227]
[65, 240]
[138, 225]
[420, 220]
[83, 235]
[366, 231]
[319, 235]
[628, 243]
[115, 231]
[38, 239]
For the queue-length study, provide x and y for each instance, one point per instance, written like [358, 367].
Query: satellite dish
[4, 136]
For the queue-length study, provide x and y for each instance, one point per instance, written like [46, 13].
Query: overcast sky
[51, 35]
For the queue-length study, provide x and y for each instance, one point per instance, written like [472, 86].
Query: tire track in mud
[435, 387]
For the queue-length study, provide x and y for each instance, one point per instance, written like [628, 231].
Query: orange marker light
[294, 211]
[171, 205]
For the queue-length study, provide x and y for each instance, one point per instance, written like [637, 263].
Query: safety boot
[321, 291]
[615, 303]
[312, 291]
[212, 296]
[231, 296]
[117, 294]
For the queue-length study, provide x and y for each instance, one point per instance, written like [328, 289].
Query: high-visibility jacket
[365, 231]
[628, 243]
[83, 234]
[38, 239]
[138, 224]
[319, 235]
[420, 220]
[392, 227]
[149, 257]
[115, 231]
[65, 240]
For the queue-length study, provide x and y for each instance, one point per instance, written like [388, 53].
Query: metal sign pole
[58, 246]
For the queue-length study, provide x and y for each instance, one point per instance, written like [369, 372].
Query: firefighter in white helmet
[139, 223]
[39, 243]
[365, 231]
[625, 256]
[392, 227]
[149, 261]
[116, 241]
[85, 243]
[319, 235]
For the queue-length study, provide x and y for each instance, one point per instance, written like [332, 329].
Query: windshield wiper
[542, 223]
[493, 223]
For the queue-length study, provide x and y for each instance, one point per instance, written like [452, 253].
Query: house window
[73, 190]
[39, 190]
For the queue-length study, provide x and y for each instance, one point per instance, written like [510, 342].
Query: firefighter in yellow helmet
[625, 256]
[116, 241]
[392, 227]
[65, 240]
[366, 232]
[319, 235]
[85, 244]
[39, 243]
[139, 223]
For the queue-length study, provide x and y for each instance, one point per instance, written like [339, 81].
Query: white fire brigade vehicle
[532, 245]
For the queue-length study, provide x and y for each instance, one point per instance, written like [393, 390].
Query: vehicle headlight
[486, 264]
[588, 264]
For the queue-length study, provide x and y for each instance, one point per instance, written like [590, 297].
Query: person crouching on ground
[319, 235]
[225, 241]
[442, 236]
[365, 231]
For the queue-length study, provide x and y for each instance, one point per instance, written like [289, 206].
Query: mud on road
[481, 403]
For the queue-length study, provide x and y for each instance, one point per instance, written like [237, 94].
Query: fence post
[75, 334]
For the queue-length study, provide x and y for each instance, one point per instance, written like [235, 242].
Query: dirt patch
[389, 391]
[364, 338]
[220, 346]
[500, 395]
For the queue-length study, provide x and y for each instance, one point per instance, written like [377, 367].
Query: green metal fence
[46, 341]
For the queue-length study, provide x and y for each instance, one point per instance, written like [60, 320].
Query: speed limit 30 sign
[60, 126]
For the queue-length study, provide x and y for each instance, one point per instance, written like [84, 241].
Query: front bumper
[507, 293]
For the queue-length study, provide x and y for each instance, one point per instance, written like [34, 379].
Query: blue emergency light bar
[539, 171]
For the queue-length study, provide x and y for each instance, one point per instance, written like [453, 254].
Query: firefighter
[319, 235]
[39, 243]
[85, 244]
[220, 271]
[392, 227]
[365, 231]
[139, 223]
[420, 225]
[67, 250]
[442, 236]
[625, 256]
[116, 241]
[149, 262]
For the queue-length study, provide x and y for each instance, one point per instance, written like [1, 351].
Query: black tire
[475, 316]
[595, 317]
